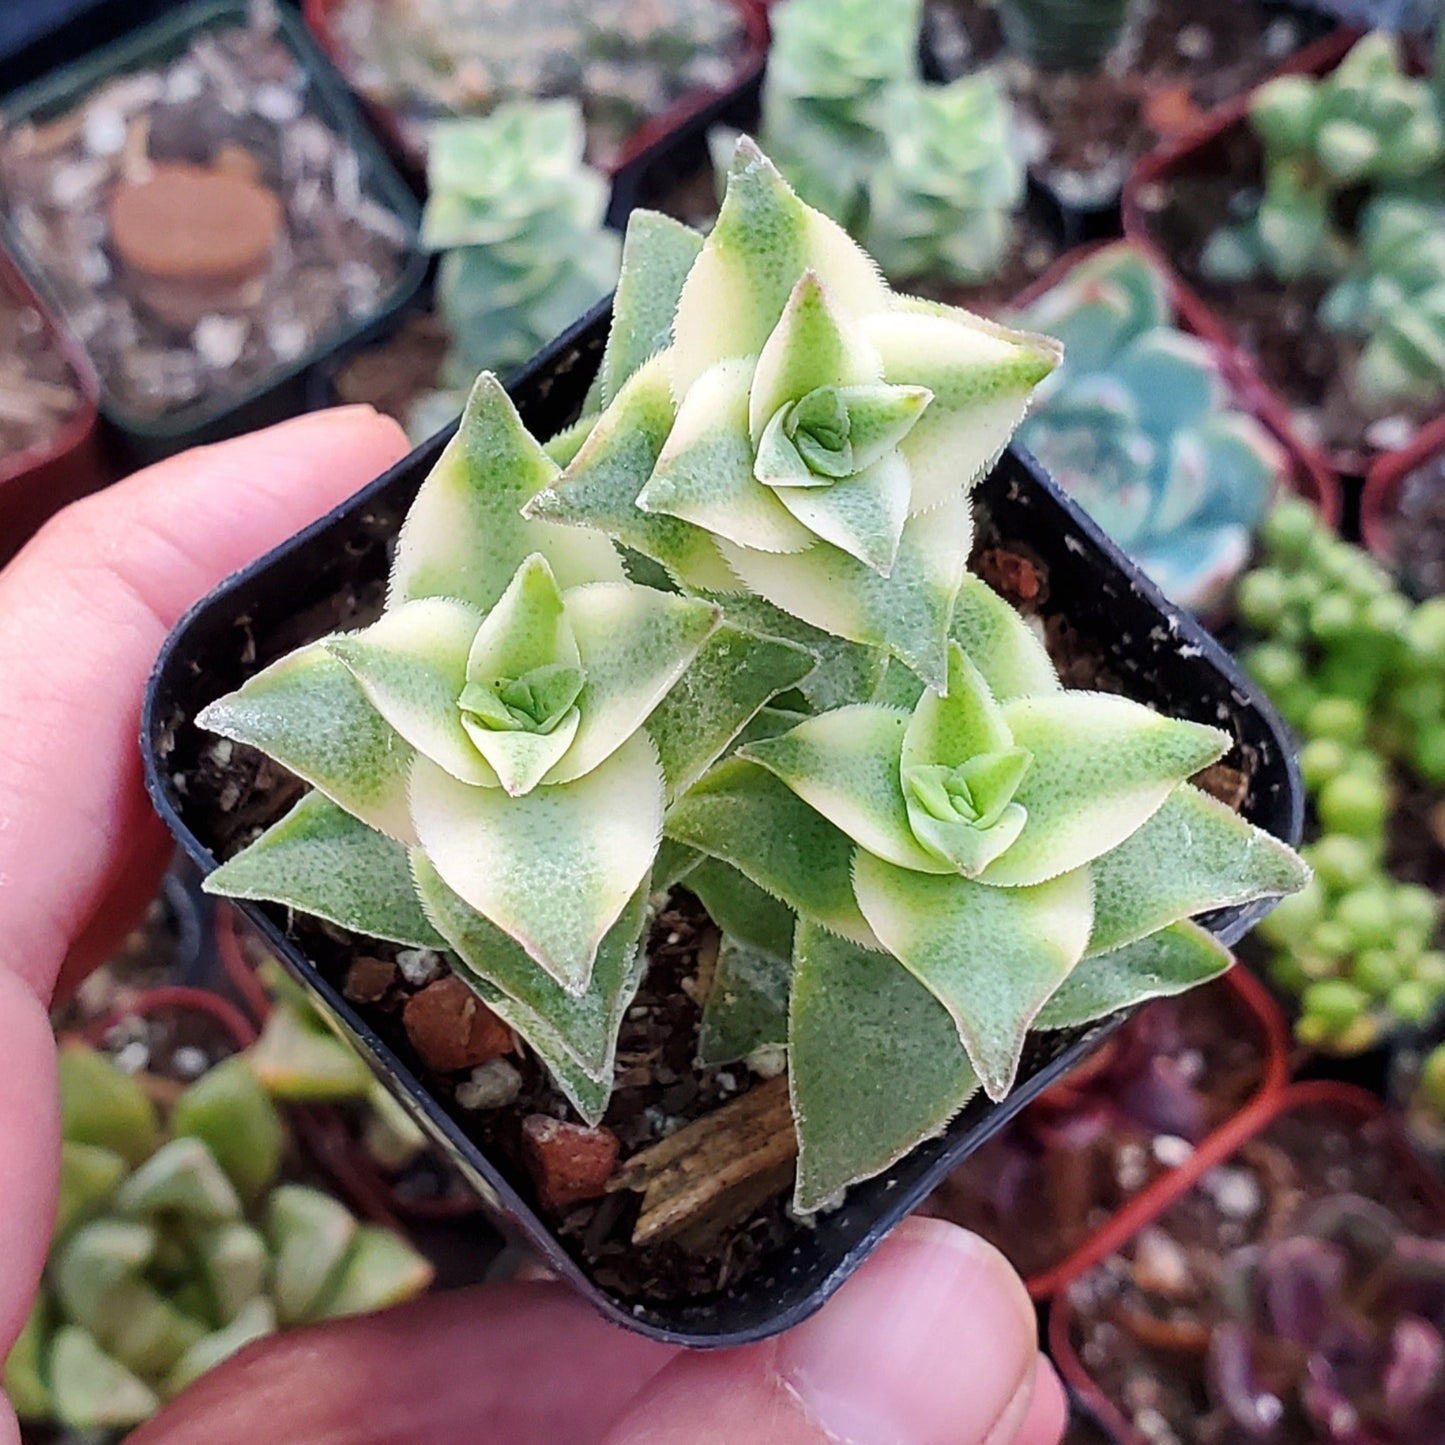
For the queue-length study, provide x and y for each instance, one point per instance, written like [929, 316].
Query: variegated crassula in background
[916, 844]
[1137, 425]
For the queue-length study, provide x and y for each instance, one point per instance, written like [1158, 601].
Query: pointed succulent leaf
[232, 1115]
[634, 644]
[321, 860]
[1192, 855]
[236, 1265]
[93, 1391]
[99, 1105]
[856, 1017]
[555, 867]
[464, 536]
[309, 713]
[253, 1321]
[741, 909]
[743, 815]
[847, 765]
[412, 666]
[992, 956]
[310, 1234]
[381, 1269]
[764, 240]
[862, 514]
[181, 1177]
[675, 861]
[962, 723]
[747, 1003]
[89, 1175]
[1171, 961]
[1102, 766]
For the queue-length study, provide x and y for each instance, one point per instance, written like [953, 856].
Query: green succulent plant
[1064, 34]
[517, 216]
[1137, 425]
[915, 843]
[926, 176]
[175, 1247]
[1393, 299]
[1366, 124]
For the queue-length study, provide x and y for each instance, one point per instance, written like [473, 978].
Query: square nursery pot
[42, 478]
[321, 18]
[183, 93]
[1224, 149]
[1172, 1084]
[291, 596]
[1408, 534]
[1136, 1327]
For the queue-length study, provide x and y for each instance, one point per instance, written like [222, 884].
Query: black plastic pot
[1160, 654]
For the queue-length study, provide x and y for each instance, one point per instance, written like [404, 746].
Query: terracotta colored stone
[1170, 110]
[187, 223]
[369, 979]
[452, 1029]
[568, 1162]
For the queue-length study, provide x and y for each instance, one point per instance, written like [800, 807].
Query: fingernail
[929, 1344]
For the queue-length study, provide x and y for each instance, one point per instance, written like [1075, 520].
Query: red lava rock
[369, 979]
[452, 1029]
[569, 1163]
[1011, 574]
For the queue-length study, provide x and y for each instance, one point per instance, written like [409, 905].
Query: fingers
[84, 609]
[932, 1343]
[514, 1364]
[1047, 1414]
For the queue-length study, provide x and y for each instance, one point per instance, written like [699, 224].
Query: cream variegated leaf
[554, 868]
[322, 861]
[309, 713]
[992, 956]
[1001, 644]
[862, 515]
[875, 1065]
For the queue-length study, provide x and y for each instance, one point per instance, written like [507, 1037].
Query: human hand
[933, 1343]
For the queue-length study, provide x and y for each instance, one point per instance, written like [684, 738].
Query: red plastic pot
[35, 484]
[319, 15]
[1201, 149]
[1342, 1100]
[1382, 487]
[239, 1029]
[1310, 475]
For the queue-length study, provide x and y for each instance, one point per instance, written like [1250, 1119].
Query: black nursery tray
[1160, 655]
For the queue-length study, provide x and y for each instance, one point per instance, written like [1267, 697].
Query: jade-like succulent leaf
[1001, 644]
[324, 862]
[747, 1003]
[253, 1321]
[992, 956]
[92, 1391]
[88, 1177]
[764, 240]
[23, 1381]
[464, 536]
[1176, 958]
[1192, 855]
[309, 713]
[181, 1177]
[634, 644]
[299, 1060]
[555, 867]
[1103, 765]
[101, 1106]
[381, 1269]
[733, 675]
[857, 1018]
[743, 815]
[412, 666]
[232, 1115]
[741, 909]
[236, 1266]
[310, 1234]
[846, 765]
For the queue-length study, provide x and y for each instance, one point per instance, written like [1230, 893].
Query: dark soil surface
[1418, 533]
[396, 373]
[39, 391]
[1131, 1113]
[1142, 1319]
[1182, 58]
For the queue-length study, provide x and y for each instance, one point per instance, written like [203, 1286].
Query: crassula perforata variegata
[916, 845]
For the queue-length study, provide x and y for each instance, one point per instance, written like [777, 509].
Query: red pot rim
[1175, 155]
[1343, 1098]
[1309, 473]
[1382, 486]
[77, 430]
[1265, 1015]
[239, 973]
[182, 999]
[318, 15]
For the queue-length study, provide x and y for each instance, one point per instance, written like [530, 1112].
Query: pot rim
[1382, 487]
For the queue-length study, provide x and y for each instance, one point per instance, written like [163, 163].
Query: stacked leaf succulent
[925, 176]
[1137, 425]
[1064, 34]
[1335, 1332]
[1393, 300]
[1365, 126]
[518, 218]
[175, 1246]
[917, 844]
[1359, 672]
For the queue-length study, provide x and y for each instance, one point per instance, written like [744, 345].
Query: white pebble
[105, 131]
[1172, 1151]
[220, 340]
[276, 103]
[189, 1062]
[492, 1086]
[1235, 1192]
[419, 965]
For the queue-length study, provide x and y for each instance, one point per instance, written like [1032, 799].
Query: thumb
[934, 1342]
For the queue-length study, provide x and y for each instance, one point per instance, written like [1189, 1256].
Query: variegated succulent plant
[915, 843]
[175, 1247]
[1137, 424]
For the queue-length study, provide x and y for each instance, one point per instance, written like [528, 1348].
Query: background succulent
[1137, 425]
[1064, 34]
[175, 1246]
